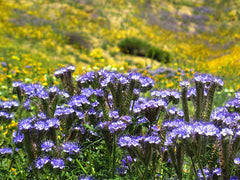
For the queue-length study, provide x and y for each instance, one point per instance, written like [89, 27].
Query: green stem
[149, 155]
[193, 167]
[185, 104]
[199, 99]
[210, 101]
[81, 166]
[114, 156]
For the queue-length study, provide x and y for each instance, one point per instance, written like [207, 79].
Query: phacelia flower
[127, 141]
[47, 146]
[39, 164]
[57, 163]
[6, 151]
[117, 126]
[70, 148]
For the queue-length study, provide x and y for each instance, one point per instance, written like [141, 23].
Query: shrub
[139, 47]
[80, 40]
[158, 54]
[134, 46]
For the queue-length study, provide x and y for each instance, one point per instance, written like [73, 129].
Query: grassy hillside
[200, 35]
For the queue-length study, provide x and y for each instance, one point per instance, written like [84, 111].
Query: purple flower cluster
[167, 95]
[5, 116]
[138, 141]
[6, 151]
[221, 117]
[38, 124]
[71, 148]
[47, 146]
[234, 104]
[8, 106]
[56, 163]
[126, 163]
[187, 131]
[117, 126]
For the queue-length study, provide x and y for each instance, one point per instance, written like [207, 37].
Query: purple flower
[103, 124]
[206, 172]
[163, 94]
[71, 69]
[172, 110]
[226, 132]
[17, 84]
[234, 178]
[70, 148]
[127, 141]
[155, 129]
[87, 78]
[146, 83]
[169, 125]
[99, 92]
[4, 115]
[4, 64]
[47, 146]
[41, 162]
[53, 91]
[114, 115]
[27, 105]
[91, 112]
[41, 126]
[80, 115]
[9, 105]
[57, 163]
[237, 95]
[85, 178]
[203, 78]
[126, 119]
[41, 115]
[87, 92]
[183, 132]
[18, 138]
[152, 140]
[117, 126]
[237, 161]
[217, 171]
[60, 73]
[25, 124]
[218, 82]
[78, 101]
[53, 123]
[64, 112]
[142, 120]
[184, 84]
[206, 129]
[6, 151]
[134, 76]
[64, 94]
[42, 95]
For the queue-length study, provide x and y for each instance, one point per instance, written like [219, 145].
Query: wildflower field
[119, 89]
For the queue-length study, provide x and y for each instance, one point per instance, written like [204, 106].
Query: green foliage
[139, 47]
[134, 46]
[158, 54]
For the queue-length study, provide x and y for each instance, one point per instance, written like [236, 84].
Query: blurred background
[168, 40]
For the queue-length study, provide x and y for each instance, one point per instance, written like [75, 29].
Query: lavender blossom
[127, 141]
[6, 151]
[47, 146]
[70, 148]
[117, 126]
[39, 164]
[57, 163]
